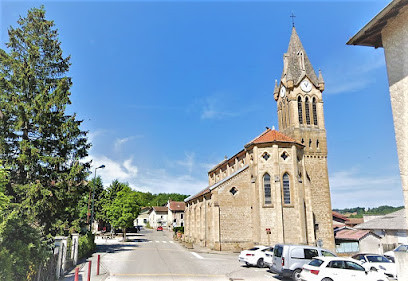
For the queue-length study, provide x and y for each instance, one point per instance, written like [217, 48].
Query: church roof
[202, 192]
[292, 69]
[271, 136]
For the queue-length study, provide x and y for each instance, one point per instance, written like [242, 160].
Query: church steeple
[297, 64]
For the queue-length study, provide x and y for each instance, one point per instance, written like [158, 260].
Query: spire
[275, 91]
[321, 81]
[296, 62]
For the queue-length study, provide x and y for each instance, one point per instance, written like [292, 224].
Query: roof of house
[354, 221]
[394, 221]
[292, 69]
[370, 34]
[352, 234]
[339, 216]
[160, 209]
[270, 136]
[177, 206]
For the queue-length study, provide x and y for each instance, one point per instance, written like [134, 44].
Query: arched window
[314, 111]
[307, 111]
[300, 110]
[267, 189]
[286, 189]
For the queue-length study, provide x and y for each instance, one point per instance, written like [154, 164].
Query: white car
[378, 262]
[255, 256]
[400, 248]
[338, 269]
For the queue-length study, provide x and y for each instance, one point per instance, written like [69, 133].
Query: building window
[284, 155]
[181, 216]
[314, 111]
[307, 111]
[174, 220]
[300, 110]
[182, 224]
[265, 156]
[267, 189]
[286, 189]
[233, 190]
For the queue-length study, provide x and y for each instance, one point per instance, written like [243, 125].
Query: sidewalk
[84, 264]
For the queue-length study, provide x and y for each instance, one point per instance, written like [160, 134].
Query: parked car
[391, 254]
[159, 228]
[255, 256]
[338, 269]
[288, 260]
[377, 262]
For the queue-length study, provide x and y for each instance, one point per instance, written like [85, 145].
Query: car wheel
[247, 264]
[296, 274]
[327, 279]
[260, 263]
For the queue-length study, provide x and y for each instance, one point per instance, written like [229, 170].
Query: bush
[178, 229]
[86, 245]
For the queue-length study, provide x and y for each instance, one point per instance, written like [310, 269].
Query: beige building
[389, 29]
[175, 214]
[276, 189]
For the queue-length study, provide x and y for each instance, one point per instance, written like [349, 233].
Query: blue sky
[168, 88]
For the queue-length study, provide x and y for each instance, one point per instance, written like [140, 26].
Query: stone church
[276, 189]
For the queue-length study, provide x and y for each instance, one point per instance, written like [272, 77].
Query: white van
[288, 260]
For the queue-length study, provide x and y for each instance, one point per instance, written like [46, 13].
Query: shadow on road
[113, 248]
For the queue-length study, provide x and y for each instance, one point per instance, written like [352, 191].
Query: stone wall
[395, 40]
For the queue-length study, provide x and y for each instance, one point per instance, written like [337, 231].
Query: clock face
[282, 91]
[306, 86]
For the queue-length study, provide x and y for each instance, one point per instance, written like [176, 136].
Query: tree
[123, 208]
[39, 141]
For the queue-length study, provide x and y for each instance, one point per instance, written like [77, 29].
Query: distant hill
[358, 212]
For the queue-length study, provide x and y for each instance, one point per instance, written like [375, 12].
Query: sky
[167, 89]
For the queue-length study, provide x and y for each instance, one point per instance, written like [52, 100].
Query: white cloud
[349, 76]
[188, 162]
[214, 107]
[154, 181]
[351, 189]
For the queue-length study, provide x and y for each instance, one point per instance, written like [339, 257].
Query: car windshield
[377, 259]
[253, 249]
[316, 262]
[401, 248]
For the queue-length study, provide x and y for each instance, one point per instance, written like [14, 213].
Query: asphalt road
[153, 255]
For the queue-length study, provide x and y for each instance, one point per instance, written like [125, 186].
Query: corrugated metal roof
[395, 221]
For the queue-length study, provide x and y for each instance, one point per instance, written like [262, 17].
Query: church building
[276, 189]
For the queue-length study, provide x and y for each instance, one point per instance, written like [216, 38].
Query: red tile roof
[272, 136]
[339, 216]
[177, 206]
[351, 234]
[161, 209]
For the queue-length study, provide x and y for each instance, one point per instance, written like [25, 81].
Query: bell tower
[300, 116]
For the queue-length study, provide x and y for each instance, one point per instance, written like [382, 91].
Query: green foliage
[86, 245]
[124, 208]
[358, 212]
[178, 229]
[39, 142]
[162, 198]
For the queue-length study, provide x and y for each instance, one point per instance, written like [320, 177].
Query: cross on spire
[293, 19]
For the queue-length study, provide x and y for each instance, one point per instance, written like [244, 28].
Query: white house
[143, 217]
[158, 216]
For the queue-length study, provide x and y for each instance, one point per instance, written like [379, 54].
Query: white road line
[172, 242]
[197, 256]
[157, 241]
[164, 242]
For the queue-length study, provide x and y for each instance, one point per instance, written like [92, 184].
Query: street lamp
[93, 196]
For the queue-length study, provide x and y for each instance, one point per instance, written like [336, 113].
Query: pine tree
[40, 143]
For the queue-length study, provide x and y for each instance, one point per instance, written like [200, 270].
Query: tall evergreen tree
[39, 141]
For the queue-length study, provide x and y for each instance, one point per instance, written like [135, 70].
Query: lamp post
[93, 196]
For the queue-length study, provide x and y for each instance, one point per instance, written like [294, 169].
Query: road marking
[172, 242]
[157, 241]
[197, 256]
[164, 242]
